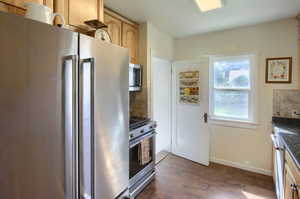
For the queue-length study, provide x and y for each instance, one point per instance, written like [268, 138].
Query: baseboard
[241, 166]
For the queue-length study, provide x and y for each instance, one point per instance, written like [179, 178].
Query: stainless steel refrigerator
[63, 113]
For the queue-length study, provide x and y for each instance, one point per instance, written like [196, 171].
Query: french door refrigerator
[63, 113]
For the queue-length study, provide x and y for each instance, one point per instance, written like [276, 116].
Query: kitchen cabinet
[76, 12]
[12, 9]
[114, 28]
[21, 3]
[292, 179]
[130, 40]
[290, 188]
[123, 32]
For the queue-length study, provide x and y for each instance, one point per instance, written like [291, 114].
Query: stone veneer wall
[286, 102]
[138, 103]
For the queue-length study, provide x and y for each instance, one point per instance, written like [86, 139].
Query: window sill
[233, 123]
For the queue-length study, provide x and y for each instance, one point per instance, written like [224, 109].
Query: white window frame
[228, 121]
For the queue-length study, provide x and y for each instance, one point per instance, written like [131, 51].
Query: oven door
[135, 77]
[278, 166]
[137, 168]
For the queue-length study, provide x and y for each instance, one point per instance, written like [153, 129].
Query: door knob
[205, 116]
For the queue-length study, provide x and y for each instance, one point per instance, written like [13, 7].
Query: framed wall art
[189, 87]
[279, 70]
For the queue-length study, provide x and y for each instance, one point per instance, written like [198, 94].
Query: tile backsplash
[286, 102]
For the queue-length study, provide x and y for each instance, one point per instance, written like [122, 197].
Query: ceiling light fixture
[208, 5]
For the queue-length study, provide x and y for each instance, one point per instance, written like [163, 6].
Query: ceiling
[182, 18]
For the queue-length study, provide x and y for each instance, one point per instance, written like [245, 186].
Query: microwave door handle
[69, 112]
[86, 128]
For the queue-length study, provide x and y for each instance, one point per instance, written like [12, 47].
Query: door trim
[152, 91]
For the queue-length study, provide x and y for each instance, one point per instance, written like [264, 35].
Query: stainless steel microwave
[135, 77]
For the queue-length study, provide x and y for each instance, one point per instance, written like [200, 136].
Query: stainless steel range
[141, 154]
[278, 163]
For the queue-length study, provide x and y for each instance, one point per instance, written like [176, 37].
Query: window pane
[232, 104]
[232, 74]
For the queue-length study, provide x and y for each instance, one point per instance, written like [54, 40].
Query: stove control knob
[131, 136]
[142, 131]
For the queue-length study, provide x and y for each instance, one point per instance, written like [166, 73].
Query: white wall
[152, 42]
[236, 146]
[160, 45]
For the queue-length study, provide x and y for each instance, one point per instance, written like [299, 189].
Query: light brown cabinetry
[114, 28]
[123, 32]
[292, 179]
[12, 9]
[130, 40]
[76, 12]
[18, 6]
[21, 3]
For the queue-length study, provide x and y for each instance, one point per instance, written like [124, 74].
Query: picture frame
[279, 70]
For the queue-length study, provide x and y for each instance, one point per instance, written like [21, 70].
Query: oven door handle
[273, 137]
[135, 142]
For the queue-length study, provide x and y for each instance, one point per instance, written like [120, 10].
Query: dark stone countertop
[288, 130]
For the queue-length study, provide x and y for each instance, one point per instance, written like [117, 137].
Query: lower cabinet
[291, 187]
[292, 179]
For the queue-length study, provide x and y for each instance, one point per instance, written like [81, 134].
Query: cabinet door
[21, 3]
[81, 11]
[12, 9]
[76, 12]
[130, 40]
[114, 28]
[290, 187]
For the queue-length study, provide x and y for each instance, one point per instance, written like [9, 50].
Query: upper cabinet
[12, 9]
[130, 41]
[21, 3]
[114, 28]
[18, 6]
[123, 32]
[76, 12]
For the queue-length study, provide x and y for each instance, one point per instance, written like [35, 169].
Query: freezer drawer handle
[86, 128]
[69, 79]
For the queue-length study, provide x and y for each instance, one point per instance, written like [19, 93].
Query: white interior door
[161, 95]
[191, 133]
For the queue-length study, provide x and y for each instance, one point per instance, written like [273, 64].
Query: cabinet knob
[294, 188]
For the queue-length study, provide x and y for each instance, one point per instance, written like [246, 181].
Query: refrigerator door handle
[86, 128]
[69, 123]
